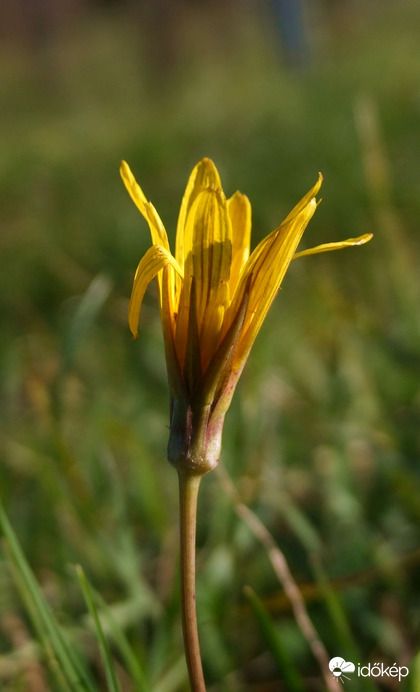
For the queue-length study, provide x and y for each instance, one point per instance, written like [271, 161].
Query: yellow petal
[268, 265]
[209, 234]
[175, 378]
[192, 366]
[326, 247]
[157, 229]
[305, 200]
[221, 374]
[155, 259]
[203, 175]
[239, 209]
[210, 261]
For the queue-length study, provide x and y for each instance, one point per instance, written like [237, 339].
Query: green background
[322, 438]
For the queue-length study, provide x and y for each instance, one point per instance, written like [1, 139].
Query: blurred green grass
[322, 438]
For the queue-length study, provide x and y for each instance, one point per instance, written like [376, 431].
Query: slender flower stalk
[213, 295]
[188, 494]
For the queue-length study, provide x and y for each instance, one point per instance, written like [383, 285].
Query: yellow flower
[213, 298]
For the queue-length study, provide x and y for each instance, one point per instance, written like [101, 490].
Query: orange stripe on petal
[209, 262]
[203, 175]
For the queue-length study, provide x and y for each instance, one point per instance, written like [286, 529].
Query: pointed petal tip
[363, 239]
[124, 168]
[326, 247]
[318, 183]
[207, 165]
[360, 240]
[238, 195]
[127, 176]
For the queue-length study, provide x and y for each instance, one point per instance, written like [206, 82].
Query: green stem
[188, 493]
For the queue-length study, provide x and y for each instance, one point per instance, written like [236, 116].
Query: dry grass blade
[281, 568]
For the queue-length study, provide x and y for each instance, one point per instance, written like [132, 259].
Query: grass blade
[87, 311]
[338, 617]
[285, 665]
[44, 647]
[44, 620]
[114, 630]
[110, 673]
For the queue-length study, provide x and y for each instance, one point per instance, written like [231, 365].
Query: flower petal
[192, 366]
[175, 378]
[305, 200]
[157, 229]
[239, 209]
[326, 247]
[155, 259]
[209, 261]
[209, 234]
[203, 175]
[268, 265]
[220, 372]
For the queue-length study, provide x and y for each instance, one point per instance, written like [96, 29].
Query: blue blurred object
[288, 19]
